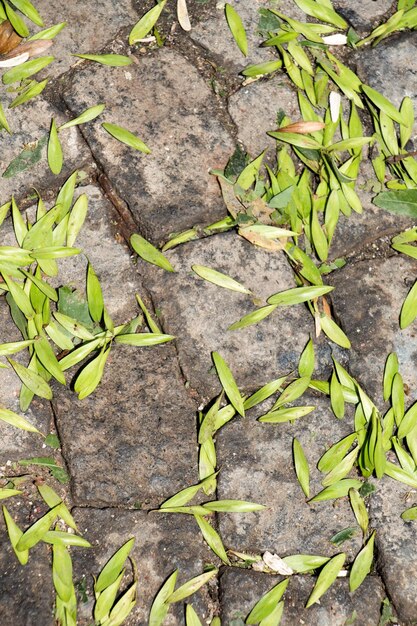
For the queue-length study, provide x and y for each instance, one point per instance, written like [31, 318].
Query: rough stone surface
[368, 296]
[254, 110]
[215, 36]
[199, 313]
[88, 29]
[241, 590]
[170, 189]
[390, 67]
[363, 16]
[29, 123]
[163, 543]
[396, 545]
[264, 452]
[133, 440]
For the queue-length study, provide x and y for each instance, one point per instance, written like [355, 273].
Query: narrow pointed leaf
[301, 467]
[218, 278]
[326, 578]
[146, 23]
[212, 538]
[149, 253]
[113, 567]
[160, 606]
[228, 383]
[362, 564]
[113, 60]
[125, 136]
[191, 586]
[236, 28]
[267, 603]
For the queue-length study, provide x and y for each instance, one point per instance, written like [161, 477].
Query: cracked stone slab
[365, 15]
[132, 440]
[263, 452]
[254, 110]
[367, 298]
[168, 105]
[29, 123]
[198, 313]
[214, 34]
[240, 590]
[396, 544]
[88, 28]
[163, 544]
[390, 67]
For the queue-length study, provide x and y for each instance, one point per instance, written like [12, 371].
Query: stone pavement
[133, 443]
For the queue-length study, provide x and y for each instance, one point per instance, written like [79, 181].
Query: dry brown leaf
[258, 240]
[9, 38]
[31, 48]
[261, 211]
[232, 203]
[302, 128]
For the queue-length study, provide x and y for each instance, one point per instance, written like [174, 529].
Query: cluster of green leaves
[404, 18]
[45, 316]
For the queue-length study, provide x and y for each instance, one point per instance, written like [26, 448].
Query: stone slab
[169, 106]
[29, 123]
[199, 313]
[132, 440]
[214, 34]
[254, 110]
[396, 545]
[163, 544]
[390, 67]
[367, 298]
[240, 591]
[256, 463]
[89, 28]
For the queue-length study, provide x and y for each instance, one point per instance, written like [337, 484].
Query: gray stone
[29, 123]
[133, 439]
[214, 34]
[170, 189]
[257, 465]
[88, 28]
[365, 15]
[254, 110]
[241, 590]
[163, 544]
[390, 67]
[199, 313]
[368, 297]
[396, 545]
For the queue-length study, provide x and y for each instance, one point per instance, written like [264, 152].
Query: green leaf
[397, 473]
[48, 359]
[76, 218]
[266, 605]
[391, 368]
[15, 534]
[27, 158]
[349, 144]
[191, 586]
[336, 396]
[125, 136]
[212, 538]
[382, 103]
[253, 318]
[43, 286]
[236, 28]
[264, 392]
[48, 33]
[228, 383]
[306, 362]
[326, 578]
[359, 509]
[399, 202]
[286, 414]
[16, 20]
[409, 308]
[149, 253]
[160, 606]
[337, 490]
[8, 493]
[65, 539]
[294, 139]
[25, 70]
[51, 498]
[113, 567]
[334, 332]
[301, 563]
[27, 8]
[146, 23]
[143, 339]
[17, 420]
[344, 535]
[260, 69]
[94, 295]
[55, 157]
[408, 422]
[14, 346]
[32, 380]
[31, 92]
[19, 296]
[220, 279]
[106, 598]
[233, 506]
[362, 564]
[185, 495]
[409, 514]
[86, 116]
[292, 392]
[322, 11]
[301, 467]
[298, 295]
[114, 60]
[36, 532]
[341, 469]
[90, 376]
[249, 174]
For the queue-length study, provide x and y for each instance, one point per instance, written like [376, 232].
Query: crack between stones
[380, 573]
